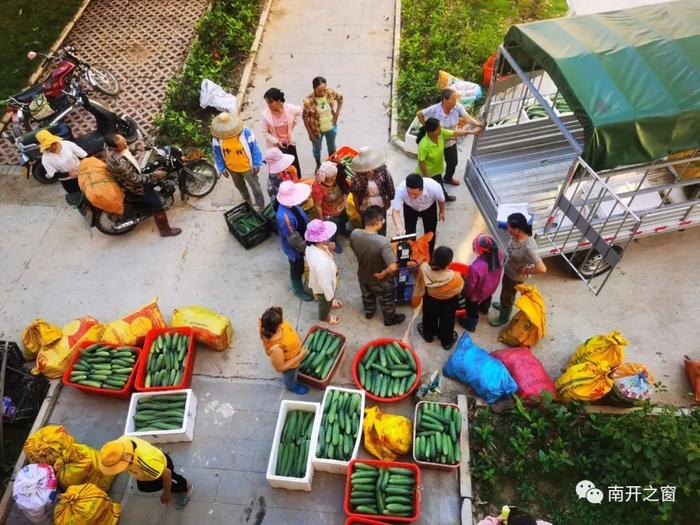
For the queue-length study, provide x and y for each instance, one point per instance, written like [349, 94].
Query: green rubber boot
[502, 318]
[298, 289]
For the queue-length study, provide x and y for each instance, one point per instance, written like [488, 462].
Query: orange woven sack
[131, 329]
[99, 187]
[78, 465]
[47, 444]
[692, 371]
[86, 504]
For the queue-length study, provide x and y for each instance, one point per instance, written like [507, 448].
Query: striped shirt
[149, 462]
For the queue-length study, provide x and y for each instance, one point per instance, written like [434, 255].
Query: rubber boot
[300, 389]
[164, 228]
[298, 289]
[502, 318]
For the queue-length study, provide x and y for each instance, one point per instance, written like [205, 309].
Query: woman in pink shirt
[279, 120]
[512, 516]
[482, 280]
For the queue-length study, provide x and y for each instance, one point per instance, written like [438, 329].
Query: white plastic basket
[184, 433]
[284, 482]
[336, 466]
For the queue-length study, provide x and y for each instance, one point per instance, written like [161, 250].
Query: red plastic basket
[364, 521]
[318, 383]
[124, 393]
[152, 335]
[382, 519]
[464, 270]
[430, 464]
[341, 153]
[383, 341]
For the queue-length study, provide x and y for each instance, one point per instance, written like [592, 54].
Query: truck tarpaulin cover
[632, 77]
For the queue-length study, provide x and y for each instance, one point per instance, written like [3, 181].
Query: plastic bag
[609, 348]
[78, 465]
[47, 444]
[468, 91]
[387, 436]
[38, 335]
[632, 384]
[131, 329]
[210, 328]
[692, 372]
[431, 387]
[34, 493]
[82, 330]
[528, 325]
[86, 504]
[585, 381]
[474, 366]
[527, 371]
[99, 187]
[213, 95]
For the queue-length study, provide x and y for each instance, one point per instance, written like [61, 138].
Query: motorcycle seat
[26, 96]
[59, 129]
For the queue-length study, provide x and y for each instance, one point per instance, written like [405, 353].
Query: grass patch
[456, 36]
[223, 38]
[534, 457]
[29, 26]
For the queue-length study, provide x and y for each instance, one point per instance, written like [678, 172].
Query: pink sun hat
[292, 194]
[320, 231]
[277, 161]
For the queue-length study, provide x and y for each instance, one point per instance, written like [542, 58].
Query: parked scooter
[107, 121]
[194, 178]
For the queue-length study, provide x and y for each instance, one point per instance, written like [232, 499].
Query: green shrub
[456, 36]
[535, 456]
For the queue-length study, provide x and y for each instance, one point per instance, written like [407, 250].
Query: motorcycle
[107, 121]
[58, 92]
[194, 178]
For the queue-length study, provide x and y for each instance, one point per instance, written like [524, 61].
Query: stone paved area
[144, 46]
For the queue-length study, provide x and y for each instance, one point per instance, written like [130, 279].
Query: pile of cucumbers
[293, 450]
[535, 111]
[437, 433]
[161, 412]
[387, 370]
[562, 105]
[245, 224]
[339, 425]
[103, 366]
[323, 347]
[382, 491]
[166, 360]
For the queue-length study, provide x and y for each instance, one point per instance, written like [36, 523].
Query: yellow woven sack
[210, 328]
[528, 325]
[387, 436]
[47, 444]
[584, 382]
[353, 212]
[86, 504]
[78, 465]
[38, 335]
[131, 329]
[609, 348]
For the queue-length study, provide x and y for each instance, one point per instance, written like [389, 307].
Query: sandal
[183, 499]
[336, 304]
[332, 319]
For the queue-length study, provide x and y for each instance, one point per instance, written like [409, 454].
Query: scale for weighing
[404, 278]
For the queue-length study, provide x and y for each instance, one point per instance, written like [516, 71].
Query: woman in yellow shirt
[284, 347]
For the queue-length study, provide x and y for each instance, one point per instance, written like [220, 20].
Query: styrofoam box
[285, 482]
[333, 465]
[185, 433]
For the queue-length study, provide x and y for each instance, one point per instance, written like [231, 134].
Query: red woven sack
[527, 371]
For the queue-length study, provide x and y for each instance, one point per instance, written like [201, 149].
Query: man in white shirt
[419, 197]
[61, 159]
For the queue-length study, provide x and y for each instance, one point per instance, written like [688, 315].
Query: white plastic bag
[34, 493]
[213, 95]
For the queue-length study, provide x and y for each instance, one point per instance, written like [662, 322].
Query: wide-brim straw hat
[115, 456]
[277, 161]
[320, 231]
[293, 194]
[46, 139]
[368, 159]
[226, 125]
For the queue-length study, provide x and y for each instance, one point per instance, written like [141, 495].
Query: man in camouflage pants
[376, 263]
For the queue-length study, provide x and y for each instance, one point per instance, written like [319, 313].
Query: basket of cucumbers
[168, 360]
[103, 369]
[363, 521]
[384, 490]
[326, 351]
[247, 225]
[437, 435]
[387, 369]
[162, 417]
[340, 429]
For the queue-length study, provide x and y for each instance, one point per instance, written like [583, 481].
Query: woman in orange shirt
[284, 347]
